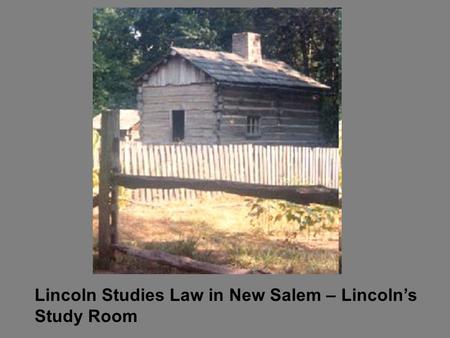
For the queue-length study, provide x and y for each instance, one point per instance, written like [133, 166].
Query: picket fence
[261, 164]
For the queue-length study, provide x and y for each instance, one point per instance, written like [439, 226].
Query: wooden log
[270, 88]
[105, 251]
[182, 262]
[248, 102]
[296, 194]
[237, 110]
[115, 169]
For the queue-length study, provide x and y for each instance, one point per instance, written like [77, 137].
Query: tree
[114, 47]
[309, 39]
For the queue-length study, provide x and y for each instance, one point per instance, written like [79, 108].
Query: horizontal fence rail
[301, 194]
[258, 164]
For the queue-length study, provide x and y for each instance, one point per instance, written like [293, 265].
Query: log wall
[217, 114]
[198, 102]
[285, 117]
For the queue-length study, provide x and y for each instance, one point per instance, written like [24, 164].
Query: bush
[273, 213]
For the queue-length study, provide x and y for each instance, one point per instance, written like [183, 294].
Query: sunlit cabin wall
[177, 85]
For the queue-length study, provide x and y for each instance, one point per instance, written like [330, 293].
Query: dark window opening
[253, 127]
[177, 125]
[123, 134]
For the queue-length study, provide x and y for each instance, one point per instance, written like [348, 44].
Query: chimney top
[248, 46]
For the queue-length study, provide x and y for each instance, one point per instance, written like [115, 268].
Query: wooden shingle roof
[232, 68]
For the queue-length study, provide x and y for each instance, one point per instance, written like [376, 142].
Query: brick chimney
[248, 46]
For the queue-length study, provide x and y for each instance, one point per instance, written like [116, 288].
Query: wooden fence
[258, 164]
[223, 169]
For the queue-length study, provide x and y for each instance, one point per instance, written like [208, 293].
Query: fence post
[104, 230]
[115, 169]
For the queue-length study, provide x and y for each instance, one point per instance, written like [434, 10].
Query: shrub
[274, 213]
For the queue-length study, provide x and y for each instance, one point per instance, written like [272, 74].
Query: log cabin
[196, 96]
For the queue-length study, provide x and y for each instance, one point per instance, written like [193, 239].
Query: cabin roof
[232, 68]
[128, 119]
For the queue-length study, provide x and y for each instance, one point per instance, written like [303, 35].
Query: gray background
[396, 182]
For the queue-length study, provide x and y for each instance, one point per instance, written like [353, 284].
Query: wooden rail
[183, 263]
[295, 194]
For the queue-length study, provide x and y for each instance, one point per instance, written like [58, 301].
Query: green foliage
[114, 56]
[329, 110]
[273, 213]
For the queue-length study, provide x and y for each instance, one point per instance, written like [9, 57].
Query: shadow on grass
[249, 249]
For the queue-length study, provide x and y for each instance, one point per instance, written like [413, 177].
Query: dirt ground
[219, 230]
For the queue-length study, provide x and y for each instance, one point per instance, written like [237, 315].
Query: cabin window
[253, 126]
[177, 125]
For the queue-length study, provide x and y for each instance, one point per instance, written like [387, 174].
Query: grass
[218, 230]
[287, 260]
